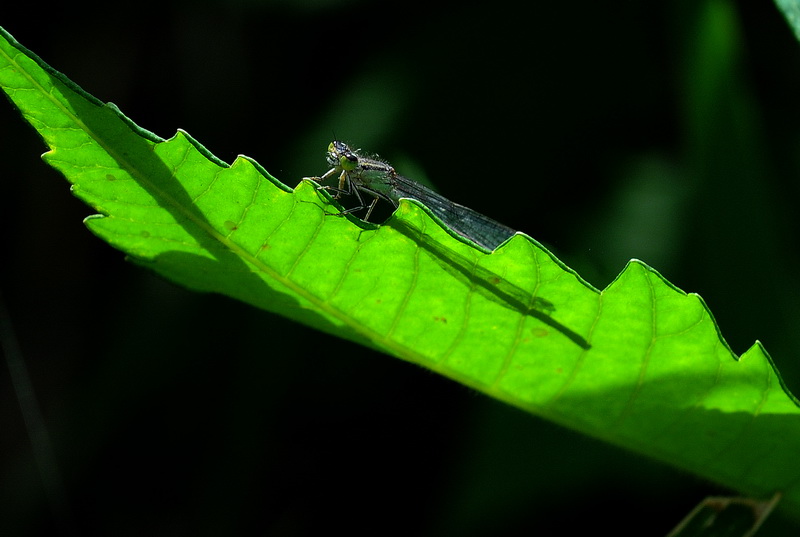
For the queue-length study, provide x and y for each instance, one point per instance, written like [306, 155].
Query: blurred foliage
[664, 131]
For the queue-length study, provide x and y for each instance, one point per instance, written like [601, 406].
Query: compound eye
[348, 161]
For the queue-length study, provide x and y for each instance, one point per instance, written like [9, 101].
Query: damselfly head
[340, 155]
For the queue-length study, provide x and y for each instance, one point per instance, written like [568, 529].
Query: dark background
[665, 131]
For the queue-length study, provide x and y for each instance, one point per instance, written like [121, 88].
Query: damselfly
[362, 174]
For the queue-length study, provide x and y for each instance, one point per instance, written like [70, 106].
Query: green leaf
[640, 364]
